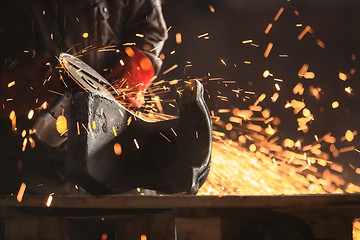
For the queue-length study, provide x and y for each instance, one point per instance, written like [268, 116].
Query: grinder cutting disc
[86, 77]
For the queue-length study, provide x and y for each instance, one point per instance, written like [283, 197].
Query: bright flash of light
[49, 200]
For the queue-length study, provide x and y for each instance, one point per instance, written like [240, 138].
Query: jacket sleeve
[145, 27]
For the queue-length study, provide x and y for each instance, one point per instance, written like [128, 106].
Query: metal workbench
[177, 217]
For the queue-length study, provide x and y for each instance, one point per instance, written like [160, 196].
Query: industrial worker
[121, 39]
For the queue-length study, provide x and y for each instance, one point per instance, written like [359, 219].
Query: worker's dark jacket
[55, 26]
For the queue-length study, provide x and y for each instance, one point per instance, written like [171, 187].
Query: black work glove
[25, 81]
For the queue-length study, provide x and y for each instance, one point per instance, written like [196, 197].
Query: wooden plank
[310, 202]
[146, 227]
[195, 217]
[198, 228]
[333, 228]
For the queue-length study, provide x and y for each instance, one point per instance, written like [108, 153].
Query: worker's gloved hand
[25, 81]
[132, 75]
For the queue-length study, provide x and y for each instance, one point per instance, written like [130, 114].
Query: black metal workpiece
[171, 156]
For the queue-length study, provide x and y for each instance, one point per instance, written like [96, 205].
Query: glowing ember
[104, 236]
[268, 50]
[170, 69]
[49, 200]
[129, 51]
[11, 84]
[252, 148]
[236, 170]
[85, 35]
[302, 34]
[309, 75]
[349, 136]
[167, 139]
[117, 149]
[348, 90]
[247, 41]
[342, 76]
[21, 192]
[136, 144]
[61, 124]
[12, 115]
[274, 97]
[298, 89]
[114, 131]
[203, 35]
[278, 14]
[320, 43]
[25, 141]
[268, 28]
[31, 114]
[178, 38]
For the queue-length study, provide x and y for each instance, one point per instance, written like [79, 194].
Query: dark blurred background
[335, 22]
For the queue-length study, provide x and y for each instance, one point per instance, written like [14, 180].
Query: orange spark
[170, 69]
[31, 114]
[268, 50]
[21, 192]
[178, 38]
[302, 34]
[167, 139]
[268, 28]
[85, 35]
[129, 51]
[10, 84]
[212, 9]
[320, 43]
[61, 124]
[349, 136]
[117, 149]
[335, 104]
[49, 200]
[342, 76]
[278, 14]
[303, 70]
